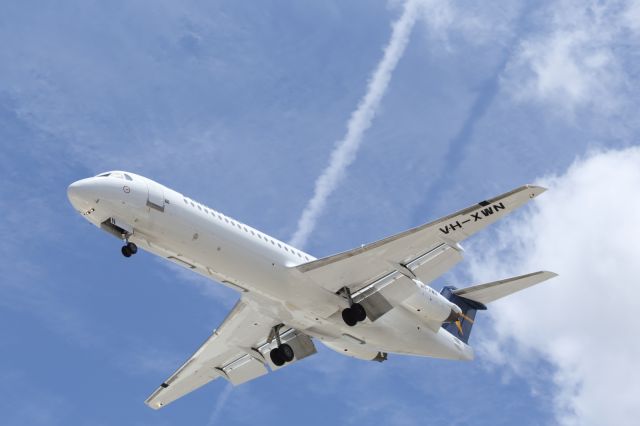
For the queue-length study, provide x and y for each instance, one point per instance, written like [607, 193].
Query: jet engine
[432, 305]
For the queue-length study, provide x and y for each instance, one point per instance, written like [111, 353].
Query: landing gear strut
[283, 353]
[355, 313]
[129, 249]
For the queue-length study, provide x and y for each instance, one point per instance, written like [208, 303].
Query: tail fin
[472, 299]
[469, 309]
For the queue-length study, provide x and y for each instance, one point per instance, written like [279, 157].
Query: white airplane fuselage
[260, 267]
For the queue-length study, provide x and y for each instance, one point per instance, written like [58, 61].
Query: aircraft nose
[81, 193]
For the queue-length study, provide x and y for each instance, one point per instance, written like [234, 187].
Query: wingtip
[152, 402]
[536, 189]
[154, 406]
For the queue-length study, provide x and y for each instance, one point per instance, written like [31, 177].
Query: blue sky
[240, 105]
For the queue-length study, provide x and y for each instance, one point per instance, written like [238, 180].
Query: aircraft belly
[285, 296]
[300, 303]
[240, 264]
[399, 332]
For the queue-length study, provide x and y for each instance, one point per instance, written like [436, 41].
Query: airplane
[365, 303]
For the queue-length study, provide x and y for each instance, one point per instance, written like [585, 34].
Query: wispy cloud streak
[220, 403]
[346, 149]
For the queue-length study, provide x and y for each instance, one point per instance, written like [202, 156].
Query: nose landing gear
[129, 249]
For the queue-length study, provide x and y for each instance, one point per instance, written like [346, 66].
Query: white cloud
[473, 21]
[576, 60]
[584, 322]
[346, 149]
[631, 17]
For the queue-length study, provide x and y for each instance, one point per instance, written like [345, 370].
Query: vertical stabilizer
[469, 309]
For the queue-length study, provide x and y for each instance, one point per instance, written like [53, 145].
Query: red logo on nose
[126, 189]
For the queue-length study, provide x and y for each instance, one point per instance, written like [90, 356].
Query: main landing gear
[283, 353]
[355, 313]
[129, 249]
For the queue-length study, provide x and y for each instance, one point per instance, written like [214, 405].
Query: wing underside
[237, 351]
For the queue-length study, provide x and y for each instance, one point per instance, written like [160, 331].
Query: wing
[237, 351]
[424, 252]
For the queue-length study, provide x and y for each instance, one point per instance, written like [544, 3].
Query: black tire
[277, 357]
[287, 352]
[360, 313]
[349, 317]
[133, 248]
[126, 251]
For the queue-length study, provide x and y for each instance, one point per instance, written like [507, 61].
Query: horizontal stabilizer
[489, 292]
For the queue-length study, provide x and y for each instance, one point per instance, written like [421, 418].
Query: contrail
[220, 403]
[346, 149]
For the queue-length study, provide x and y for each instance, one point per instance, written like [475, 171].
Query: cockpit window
[118, 175]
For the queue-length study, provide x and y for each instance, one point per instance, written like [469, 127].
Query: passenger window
[279, 245]
[185, 201]
[192, 205]
[199, 207]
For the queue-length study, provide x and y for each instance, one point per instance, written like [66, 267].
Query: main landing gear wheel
[354, 314]
[361, 314]
[349, 317]
[277, 357]
[281, 355]
[287, 352]
[129, 249]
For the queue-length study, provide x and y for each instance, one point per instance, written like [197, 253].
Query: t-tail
[475, 298]
[462, 327]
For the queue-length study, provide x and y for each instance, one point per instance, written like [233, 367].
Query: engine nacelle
[432, 305]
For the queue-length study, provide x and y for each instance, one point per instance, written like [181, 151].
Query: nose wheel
[129, 249]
